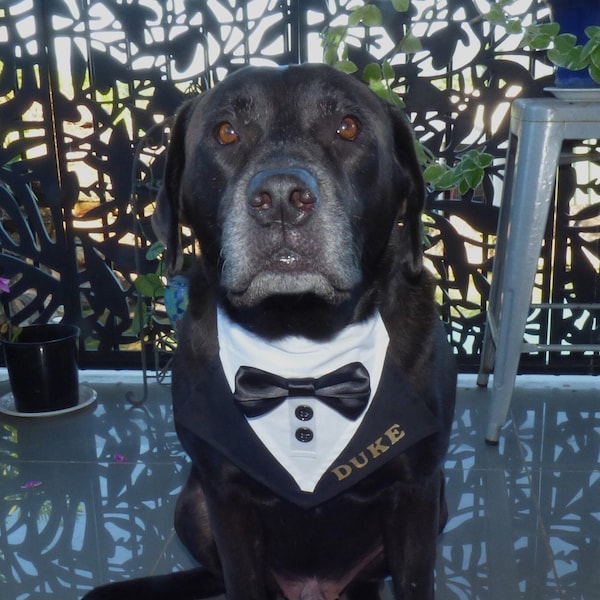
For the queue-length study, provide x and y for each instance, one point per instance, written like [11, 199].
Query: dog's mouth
[287, 273]
[287, 261]
[269, 268]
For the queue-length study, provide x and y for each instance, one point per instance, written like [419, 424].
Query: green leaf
[595, 57]
[594, 72]
[335, 33]
[139, 317]
[380, 89]
[593, 32]
[550, 29]
[565, 42]
[149, 285]
[155, 250]
[331, 55]
[514, 26]
[467, 163]
[371, 16]
[346, 66]
[485, 160]
[587, 49]
[388, 70]
[433, 172]
[540, 37]
[372, 72]
[474, 159]
[410, 44]
[355, 16]
[540, 42]
[401, 5]
[496, 14]
[536, 34]
[463, 187]
[570, 60]
[474, 178]
[557, 58]
[447, 181]
[424, 154]
[395, 99]
[576, 61]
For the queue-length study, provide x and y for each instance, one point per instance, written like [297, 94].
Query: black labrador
[305, 193]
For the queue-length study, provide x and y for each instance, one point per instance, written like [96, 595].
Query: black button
[304, 413]
[304, 434]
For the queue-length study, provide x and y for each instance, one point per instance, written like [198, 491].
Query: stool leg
[488, 350]
[535, 170]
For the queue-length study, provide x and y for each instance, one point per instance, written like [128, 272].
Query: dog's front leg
[237, 531]
[410, 536]
[240, 545]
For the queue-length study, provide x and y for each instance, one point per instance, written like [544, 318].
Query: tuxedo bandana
[303, 450]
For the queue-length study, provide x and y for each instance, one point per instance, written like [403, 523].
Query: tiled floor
[88, 497]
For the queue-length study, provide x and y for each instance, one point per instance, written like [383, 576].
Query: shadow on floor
[88, 497]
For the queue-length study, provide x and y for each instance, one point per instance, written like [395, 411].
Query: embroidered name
[380, 446]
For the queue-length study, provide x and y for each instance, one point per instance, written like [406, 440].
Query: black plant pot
[42, 367]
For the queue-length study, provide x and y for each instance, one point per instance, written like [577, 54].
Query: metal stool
[538, 128]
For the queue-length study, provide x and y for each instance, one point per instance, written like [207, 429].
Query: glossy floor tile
[88, 497]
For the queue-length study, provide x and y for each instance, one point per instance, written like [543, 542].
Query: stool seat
[538, 128]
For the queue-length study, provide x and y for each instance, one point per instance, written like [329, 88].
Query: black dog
[305, 193]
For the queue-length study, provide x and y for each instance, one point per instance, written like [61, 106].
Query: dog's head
[301, 186]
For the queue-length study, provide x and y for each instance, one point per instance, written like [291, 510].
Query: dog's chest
[304, 434]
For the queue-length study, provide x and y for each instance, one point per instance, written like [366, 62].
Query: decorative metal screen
[83, 81]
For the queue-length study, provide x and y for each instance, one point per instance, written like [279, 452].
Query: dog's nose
[283, 195]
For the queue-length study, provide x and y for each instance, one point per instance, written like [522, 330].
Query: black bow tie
[346, 390]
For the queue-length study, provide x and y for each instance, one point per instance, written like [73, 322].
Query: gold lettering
[359, 465]
[394, 434]
[377, 448]
[342, 471]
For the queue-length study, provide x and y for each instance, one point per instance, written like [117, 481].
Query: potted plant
[571, 39]
[41, 361]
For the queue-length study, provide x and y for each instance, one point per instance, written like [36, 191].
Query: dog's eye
[226, 134]
[349, 129]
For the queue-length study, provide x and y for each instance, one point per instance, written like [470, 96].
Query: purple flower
[30, 485]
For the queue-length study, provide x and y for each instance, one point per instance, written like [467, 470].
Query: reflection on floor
[89, 497]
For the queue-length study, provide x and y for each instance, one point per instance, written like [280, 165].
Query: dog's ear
[166, 221]
[412, 195]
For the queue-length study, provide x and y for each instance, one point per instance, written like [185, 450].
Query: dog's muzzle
[285, 196]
